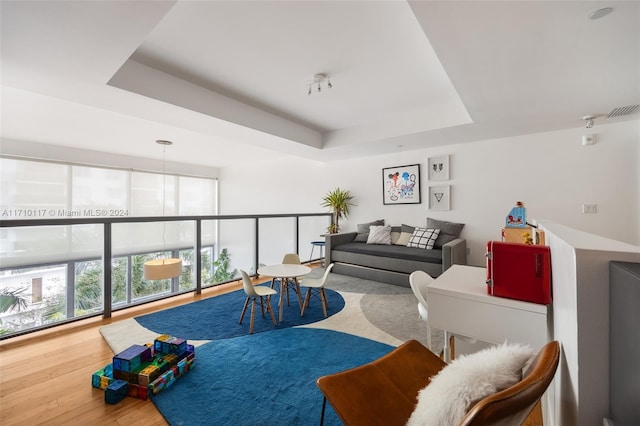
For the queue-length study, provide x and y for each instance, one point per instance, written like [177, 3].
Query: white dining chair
[315, 286]
[255, 293]
[419, 280]
[291, 259]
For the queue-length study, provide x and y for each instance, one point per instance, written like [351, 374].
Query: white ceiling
[227, 80]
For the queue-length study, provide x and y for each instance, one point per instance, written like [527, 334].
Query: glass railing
[55, 271]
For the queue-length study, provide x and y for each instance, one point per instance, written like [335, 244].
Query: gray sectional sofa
[393, 263]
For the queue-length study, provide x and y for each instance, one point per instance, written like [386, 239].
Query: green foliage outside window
[89, 289]
[221, 268]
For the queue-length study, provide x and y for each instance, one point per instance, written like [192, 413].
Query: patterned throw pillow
[379, 235]
[363, 230]
[423, 238]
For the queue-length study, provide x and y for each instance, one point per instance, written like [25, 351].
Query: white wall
[580, 269]
[552, 173]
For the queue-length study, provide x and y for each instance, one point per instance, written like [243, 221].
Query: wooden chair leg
[270, 309]
[297, 284]
[452, 345]
[305, 304]
[323, 300]
[253, 311]
[246, 303]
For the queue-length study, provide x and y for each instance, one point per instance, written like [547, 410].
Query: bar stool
[319, 244]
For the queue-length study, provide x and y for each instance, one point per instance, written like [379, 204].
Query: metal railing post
[107, 270]
[198, 256]
[257, 246]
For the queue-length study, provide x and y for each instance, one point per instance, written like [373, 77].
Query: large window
[37, 190]
[54, 273]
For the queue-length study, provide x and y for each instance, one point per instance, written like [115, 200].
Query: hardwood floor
[45, 377]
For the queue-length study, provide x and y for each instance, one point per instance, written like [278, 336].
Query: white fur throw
[446, 399]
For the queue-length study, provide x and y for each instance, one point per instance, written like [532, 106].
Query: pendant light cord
[164, 197]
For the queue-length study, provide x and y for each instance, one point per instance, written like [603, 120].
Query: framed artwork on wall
[401, 184]
[439, 197]
[438, 168]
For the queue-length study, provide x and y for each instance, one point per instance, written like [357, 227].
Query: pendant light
[165, 268]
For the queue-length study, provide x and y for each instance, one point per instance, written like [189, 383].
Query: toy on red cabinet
[517, 217]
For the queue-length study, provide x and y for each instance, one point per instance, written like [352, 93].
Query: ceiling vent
[622, 111]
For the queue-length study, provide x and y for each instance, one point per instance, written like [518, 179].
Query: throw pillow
[446, 399]
[423, 238]
[395, 236]
[379, 235]
[406, 232]
[449, 231]
[363, 230]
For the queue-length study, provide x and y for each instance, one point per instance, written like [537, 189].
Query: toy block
[138, 391]
[116, 392]
[126, 376]
[169, 344]
[170, 358]
[148, 375]
[162, 382]
[141, 371]
[171, 375]
[103, 377]
[182, 365]
[131, 358]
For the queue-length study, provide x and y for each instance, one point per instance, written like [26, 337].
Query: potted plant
[338, 201]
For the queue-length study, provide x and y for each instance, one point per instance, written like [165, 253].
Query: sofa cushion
[423, 238]
[406, 232]
[392, 251]
[379, 235]
[449, 231]
[363, 230]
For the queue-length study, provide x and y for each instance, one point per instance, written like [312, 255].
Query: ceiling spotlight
[317, 82]
[589, 120]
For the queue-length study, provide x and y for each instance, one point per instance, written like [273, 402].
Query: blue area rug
[217, 317]
[264, 379]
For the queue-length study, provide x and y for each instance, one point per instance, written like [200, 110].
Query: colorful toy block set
[146, 370]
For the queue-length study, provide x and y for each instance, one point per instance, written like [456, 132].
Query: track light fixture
[589, 120]
[317, 82]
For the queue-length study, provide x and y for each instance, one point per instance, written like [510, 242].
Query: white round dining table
[285, 272]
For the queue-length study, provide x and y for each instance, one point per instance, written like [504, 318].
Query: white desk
[458, 303]
[284, 272]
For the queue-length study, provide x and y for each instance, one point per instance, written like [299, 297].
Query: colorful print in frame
[401, 184]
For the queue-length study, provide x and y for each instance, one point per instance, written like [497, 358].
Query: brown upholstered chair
[384, 392]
